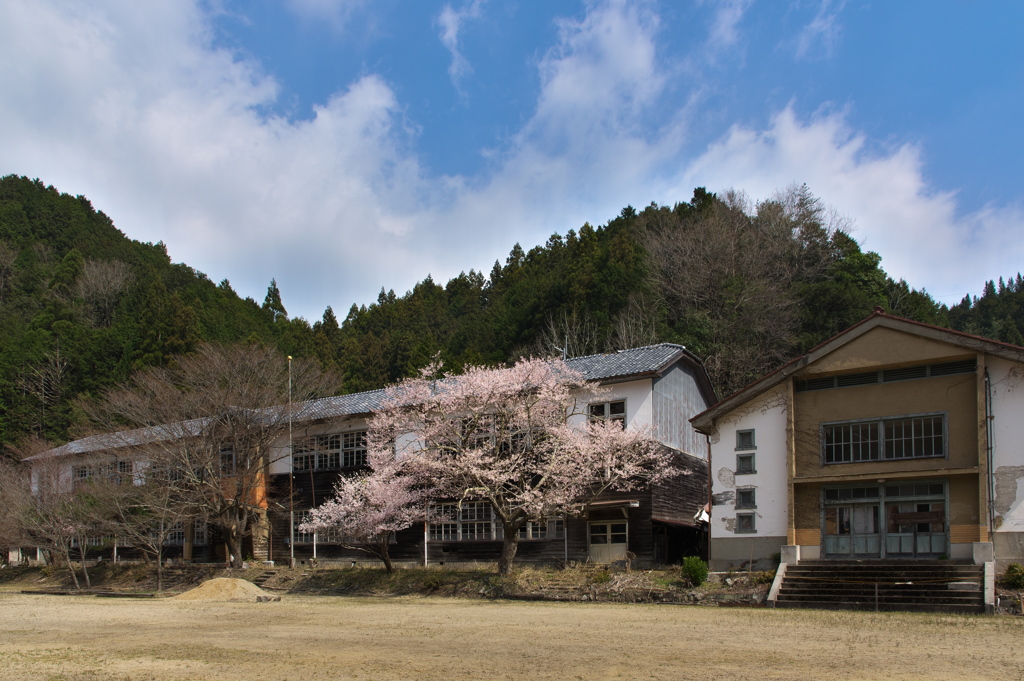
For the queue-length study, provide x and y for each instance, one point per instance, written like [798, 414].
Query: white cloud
[451, 21]
[725, 26]
[919, 233]
[132, 105]
[335, 12]
[823, 32]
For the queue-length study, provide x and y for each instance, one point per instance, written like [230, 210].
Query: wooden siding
[677, 397]
[679, 499]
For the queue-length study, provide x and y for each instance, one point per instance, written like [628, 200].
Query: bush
[1014, 576]
[694, 570]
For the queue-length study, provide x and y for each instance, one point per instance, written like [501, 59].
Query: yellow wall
[882, 347]
[955, 395]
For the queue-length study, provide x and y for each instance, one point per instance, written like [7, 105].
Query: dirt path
[73, 638]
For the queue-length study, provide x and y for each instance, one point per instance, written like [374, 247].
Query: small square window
[745, 464]
[745, 498]
[745, 523]
[745, 439]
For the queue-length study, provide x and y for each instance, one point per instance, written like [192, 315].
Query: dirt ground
[71, 638]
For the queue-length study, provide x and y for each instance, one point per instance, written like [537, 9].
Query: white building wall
[766, 416]
[1007, 391]
[639, 403]
[280, 463]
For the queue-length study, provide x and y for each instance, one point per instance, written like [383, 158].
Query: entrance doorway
[608, 541]
[901, 520]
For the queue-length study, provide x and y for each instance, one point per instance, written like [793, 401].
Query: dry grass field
[72, 638]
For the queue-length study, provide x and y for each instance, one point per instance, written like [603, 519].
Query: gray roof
[645, 360]
[124, 438]
[611, 366]
[342, 405]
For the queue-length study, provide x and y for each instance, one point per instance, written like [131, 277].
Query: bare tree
[214, 419]
[568, 333]
[729, 272]
[45, 382]
[52, 511]
[100, 286]
[636, 325]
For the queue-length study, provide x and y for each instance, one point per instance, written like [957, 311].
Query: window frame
[342, 450]
[553, 528]
[749, 504]
[606, 409]
[465, 515]
[746, 517]
[739, 440]
[879, 424]
[741, 470]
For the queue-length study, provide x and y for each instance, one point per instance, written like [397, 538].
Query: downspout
[990, 456]
[709, 499]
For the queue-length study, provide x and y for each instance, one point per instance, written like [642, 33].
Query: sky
[344, 146]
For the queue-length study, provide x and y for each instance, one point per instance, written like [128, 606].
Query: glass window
[885, 439]
[745, 498]
[745, 439]
[745, 464]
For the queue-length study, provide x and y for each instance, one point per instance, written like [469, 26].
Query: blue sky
[342, 146]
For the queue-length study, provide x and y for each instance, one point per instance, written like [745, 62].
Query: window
[354, 448]
[609, 411]
[175, 536]
[543, 529]
[745, 439]
[745, 498]
[745, 523]
[745, 464]
[913, 437]
[227, 460]
[118, 473]
[321, 536]
[328, 452]
[474, 521]
[199, 533]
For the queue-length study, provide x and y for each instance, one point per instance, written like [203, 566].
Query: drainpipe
[990, 454]
[707, 438]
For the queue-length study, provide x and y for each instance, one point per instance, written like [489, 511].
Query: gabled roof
[124, 438]
[648, 361]
[705, 420]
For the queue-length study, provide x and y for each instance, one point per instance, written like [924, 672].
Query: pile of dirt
[226, 589]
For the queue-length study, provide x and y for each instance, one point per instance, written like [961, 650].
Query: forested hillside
[745, 287]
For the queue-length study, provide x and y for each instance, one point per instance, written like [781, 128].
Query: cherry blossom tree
[517, 438]
[369, 507]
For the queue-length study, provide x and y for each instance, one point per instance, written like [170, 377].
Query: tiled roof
[124, 438]
[342, 405]
[652, 358]
[624, 363]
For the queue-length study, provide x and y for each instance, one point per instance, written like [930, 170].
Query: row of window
[174, 537]
[882, 439]
[469, 521]
[117, 472]
[914, 437]
[886, 375]
[327, 452]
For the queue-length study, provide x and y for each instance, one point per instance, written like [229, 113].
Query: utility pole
[291, 473]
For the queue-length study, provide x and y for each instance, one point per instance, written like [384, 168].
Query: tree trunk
[85, 570]
[234, 542]
[385, 553]
[160, 568]
[509, 546]
[71, 569]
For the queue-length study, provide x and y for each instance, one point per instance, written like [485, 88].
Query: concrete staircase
[912, 585]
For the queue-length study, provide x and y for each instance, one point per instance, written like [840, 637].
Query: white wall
[279, 461]
[766, 415]
[1007, 380]
[639, 403]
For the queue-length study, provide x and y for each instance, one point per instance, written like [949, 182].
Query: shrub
[1014, 576]
[764, 577]
[694, 570]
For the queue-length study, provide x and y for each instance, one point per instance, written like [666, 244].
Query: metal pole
[291, 473]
